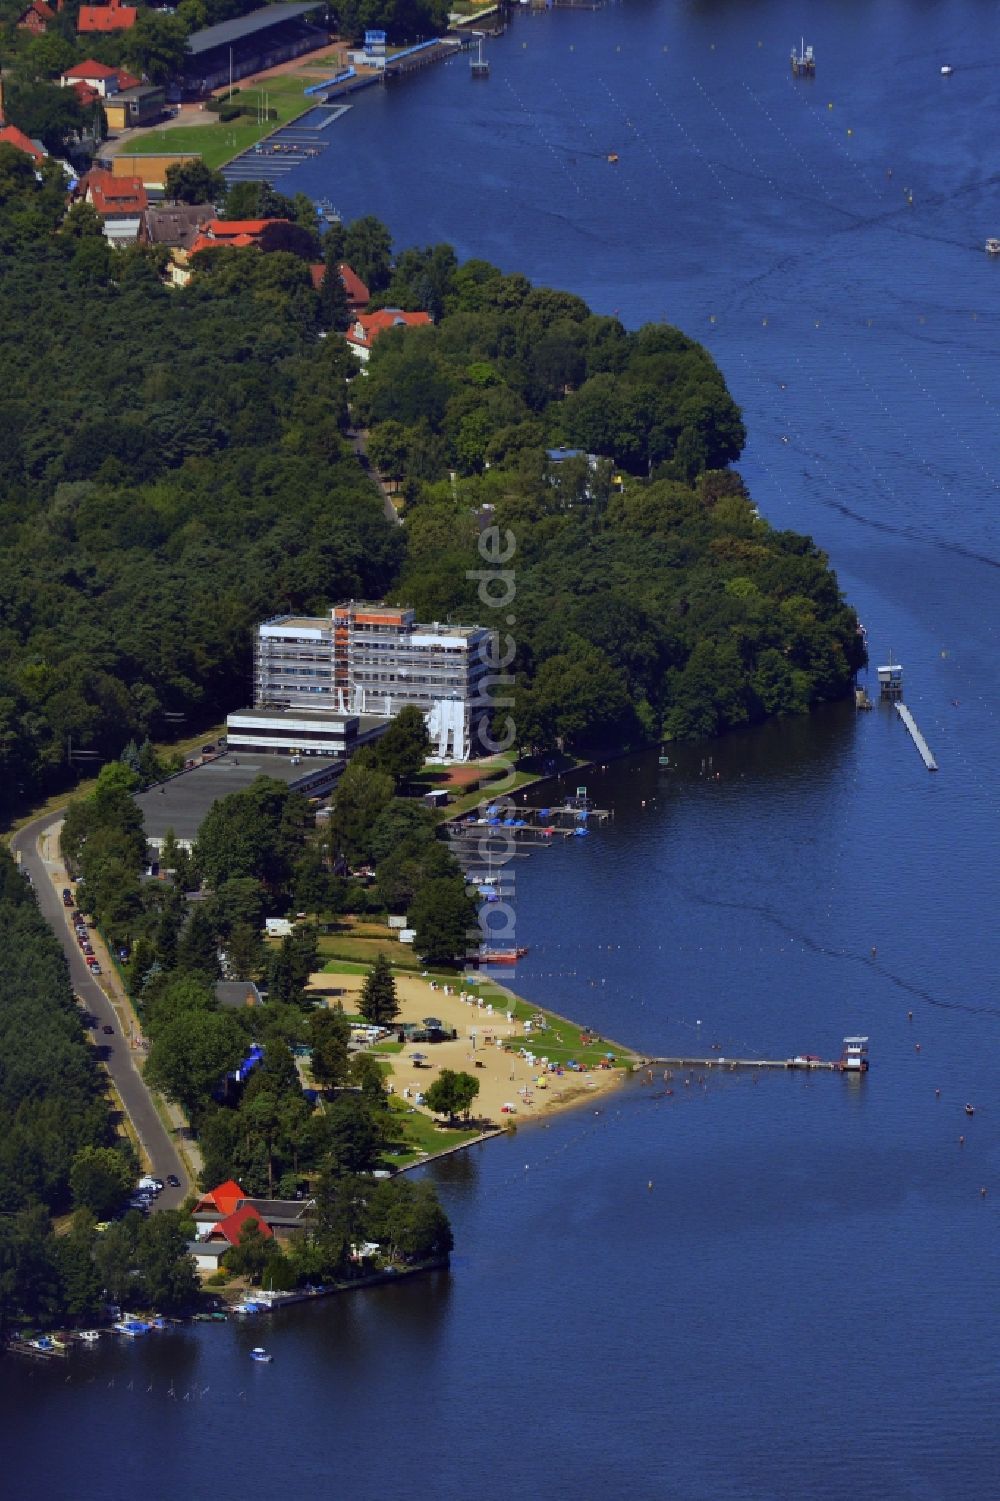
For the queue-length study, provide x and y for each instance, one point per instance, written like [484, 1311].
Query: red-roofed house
[111, 17]
[358, 295]
[232, 1227]
[99, 76]
[86, 93]
[121, 203]
[11, 136]
[222, 1200]
[37, 17]
[368, 327]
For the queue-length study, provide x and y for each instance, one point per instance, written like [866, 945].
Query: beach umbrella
[417, 1057]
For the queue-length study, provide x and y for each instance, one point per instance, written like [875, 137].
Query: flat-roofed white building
[302, 732]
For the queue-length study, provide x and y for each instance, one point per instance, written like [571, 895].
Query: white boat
[993, 247]
[131, 1328]
[260, 1354]
[89, 1336]
[947, 71]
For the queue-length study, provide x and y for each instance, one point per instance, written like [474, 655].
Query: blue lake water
[804, 1304]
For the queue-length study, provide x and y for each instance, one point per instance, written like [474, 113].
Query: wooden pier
[918, 739]
[821, 1065]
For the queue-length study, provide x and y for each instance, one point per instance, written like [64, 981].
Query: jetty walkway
[821, 1064]
[918, 739]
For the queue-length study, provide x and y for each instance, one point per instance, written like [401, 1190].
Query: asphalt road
[163, 1155]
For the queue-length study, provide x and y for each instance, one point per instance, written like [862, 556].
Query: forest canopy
[174, 468]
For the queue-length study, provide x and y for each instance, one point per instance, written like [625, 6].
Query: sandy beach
[505, 1078]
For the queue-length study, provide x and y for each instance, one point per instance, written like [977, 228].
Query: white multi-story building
[377, 659]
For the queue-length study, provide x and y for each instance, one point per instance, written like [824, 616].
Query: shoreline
[530, 1062]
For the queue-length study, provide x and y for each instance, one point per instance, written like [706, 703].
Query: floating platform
[918, 739]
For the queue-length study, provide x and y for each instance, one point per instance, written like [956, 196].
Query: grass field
[218, 143]
[415, 1134]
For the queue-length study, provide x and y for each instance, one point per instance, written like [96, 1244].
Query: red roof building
[231, 1228]
[11, 136]
[37, 17]
[358, 295]
[368, 327]
[111, 17]
[223, 1199]
[233, 234]
[114, 197]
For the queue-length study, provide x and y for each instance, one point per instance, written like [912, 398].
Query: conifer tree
[378, 1003]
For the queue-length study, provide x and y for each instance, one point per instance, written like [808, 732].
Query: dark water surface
[805, 1302]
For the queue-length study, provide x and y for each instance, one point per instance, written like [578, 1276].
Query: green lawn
[360, 952]
[416, 1134]
[218, 143]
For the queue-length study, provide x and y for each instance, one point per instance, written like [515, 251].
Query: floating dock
[918, 739]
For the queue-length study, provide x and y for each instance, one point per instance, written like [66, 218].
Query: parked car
[93, 966]
[108, 1031]
[67, 897]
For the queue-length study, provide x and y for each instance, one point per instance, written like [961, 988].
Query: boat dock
[853, 1060]
[918, 739]
[823, 1065]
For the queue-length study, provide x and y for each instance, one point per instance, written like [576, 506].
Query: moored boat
[259, 1354]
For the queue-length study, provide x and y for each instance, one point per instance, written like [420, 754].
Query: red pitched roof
[231, 1228]
[238, 242]
[127, 80]
[114, 195]
[90, 69]
[228, 229]
[112, 17]
[367, 326]
[40, 9]
[85, 92]
[11, 136]
[358, 294]
[224, 1198]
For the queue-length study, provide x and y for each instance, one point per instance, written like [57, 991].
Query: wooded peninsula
[174, 466]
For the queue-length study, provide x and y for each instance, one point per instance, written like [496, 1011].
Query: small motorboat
[612, 157]
[259, 1354]
[89, 1336]
[992, 247]
[947, 70]
[970, 1109]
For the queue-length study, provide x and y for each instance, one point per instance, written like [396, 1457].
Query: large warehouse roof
[182, 802]
[259, 20]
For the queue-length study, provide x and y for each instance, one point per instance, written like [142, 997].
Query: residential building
[142, 104]
[103, 18]
[11, 136]
[104, 80]
[376, 659]
[358, 295]
[121, 203]
[176, 225]
[368, 327]
[37, 17]
[220, 1201]
[238, 233]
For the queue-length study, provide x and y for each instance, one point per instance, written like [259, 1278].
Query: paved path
[48, 880]
[358, 439]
